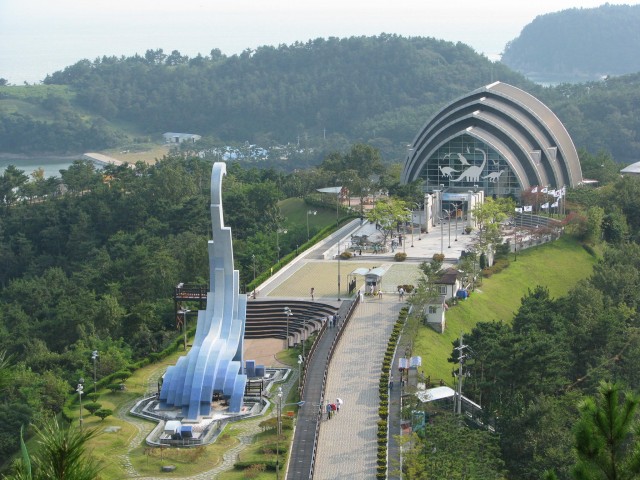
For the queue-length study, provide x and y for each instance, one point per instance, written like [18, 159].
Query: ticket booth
[373, 280]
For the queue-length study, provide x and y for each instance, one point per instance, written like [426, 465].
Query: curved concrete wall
[214, 363]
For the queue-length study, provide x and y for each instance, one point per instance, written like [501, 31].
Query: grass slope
[557, 265]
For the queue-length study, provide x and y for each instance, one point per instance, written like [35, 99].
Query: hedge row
[383, 391]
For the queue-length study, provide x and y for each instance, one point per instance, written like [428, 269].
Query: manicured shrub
[400, 257]
[93, 407]
[103, 413]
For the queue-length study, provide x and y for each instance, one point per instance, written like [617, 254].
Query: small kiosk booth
[372, 279]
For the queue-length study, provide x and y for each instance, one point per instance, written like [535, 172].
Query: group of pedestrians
[333, 408]
[334, 320]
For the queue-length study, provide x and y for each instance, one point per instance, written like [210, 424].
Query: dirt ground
[263, 351]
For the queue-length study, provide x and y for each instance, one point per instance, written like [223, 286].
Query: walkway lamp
[288, 313]
[184, 312]
[94, 357]
[278, 232]
[310, 212]
[253, 257]
[80, 391]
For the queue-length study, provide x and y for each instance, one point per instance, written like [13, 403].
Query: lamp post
[310, 212]
[94, 357]
[411, 212]
[80, 391]
[278, 232]
[184, 312]
[338, 270]
[288, 313]
[300, 360]
[449, 222]
[456, 207]
[279, 429]
[441, 220]
[253, 257]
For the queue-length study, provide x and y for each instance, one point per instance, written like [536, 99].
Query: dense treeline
[375, 89]
[534, 374]
[89, 261]
[324, 95]
[584, 43]
[95, 268]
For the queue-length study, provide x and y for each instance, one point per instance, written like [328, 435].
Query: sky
[38, 37]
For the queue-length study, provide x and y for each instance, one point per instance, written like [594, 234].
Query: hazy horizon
[39, 37]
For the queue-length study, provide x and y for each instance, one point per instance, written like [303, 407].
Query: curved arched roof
[524, 131]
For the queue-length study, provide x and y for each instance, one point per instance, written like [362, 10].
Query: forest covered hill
[578, 44]
[325, 94]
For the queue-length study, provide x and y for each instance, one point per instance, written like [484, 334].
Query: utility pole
[457, 404]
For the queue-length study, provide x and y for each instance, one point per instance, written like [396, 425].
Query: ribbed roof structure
[518, 129]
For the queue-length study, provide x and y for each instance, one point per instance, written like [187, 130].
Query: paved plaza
[347, 445]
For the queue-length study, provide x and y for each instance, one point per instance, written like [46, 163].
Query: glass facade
[465, 162]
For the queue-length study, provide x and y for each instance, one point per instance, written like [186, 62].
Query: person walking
[311, 292]
[401, 293]
[329, 410]
[338, 404]
[380, 294]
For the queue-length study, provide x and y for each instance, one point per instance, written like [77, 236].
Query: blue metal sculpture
[214, 363]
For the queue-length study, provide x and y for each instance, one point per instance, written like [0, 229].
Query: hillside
[326, 92]
[578, 44]
[316, 97]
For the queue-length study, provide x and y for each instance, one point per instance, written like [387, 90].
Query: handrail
[348, 316]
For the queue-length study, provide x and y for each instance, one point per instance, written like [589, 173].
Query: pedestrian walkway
[347, 444]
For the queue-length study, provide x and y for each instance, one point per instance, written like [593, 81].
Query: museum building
[497, 140]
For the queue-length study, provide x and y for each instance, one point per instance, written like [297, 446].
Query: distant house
[449, 282]
[434, 314]
[177, 138]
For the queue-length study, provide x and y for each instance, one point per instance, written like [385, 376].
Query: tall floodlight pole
[94, 357]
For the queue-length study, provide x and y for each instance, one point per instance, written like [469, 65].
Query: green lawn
[295, 212]
[557, 265]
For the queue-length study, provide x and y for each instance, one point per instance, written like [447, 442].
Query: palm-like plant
[61, 455]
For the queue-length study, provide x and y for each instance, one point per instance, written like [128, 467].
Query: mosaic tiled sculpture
[214, 363]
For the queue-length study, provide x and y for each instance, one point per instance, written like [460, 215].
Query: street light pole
[412, 227]
[288, 313]
[300, 360]
[184, 312]
[338, 270]
[279, 430]
[94, 357]
[278, 232]
[80, 391]
[253, 257]
[310, 212]
[456, 222]
[449, 222]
